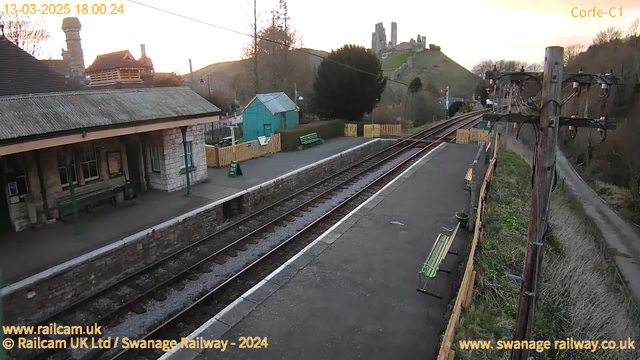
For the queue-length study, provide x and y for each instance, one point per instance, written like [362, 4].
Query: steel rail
[237, 274]
[424, 133]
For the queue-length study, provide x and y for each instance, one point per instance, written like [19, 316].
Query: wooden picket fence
[463, 300]
[221, 157]
[377, 130]
[466, 136]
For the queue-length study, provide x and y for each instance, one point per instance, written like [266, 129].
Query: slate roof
[114, 60]
[60, 67]
[21, 73]
[276, 103]
[27, 116]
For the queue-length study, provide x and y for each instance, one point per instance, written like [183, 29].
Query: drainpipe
[43, 189]
[74, 204]
[186, 158]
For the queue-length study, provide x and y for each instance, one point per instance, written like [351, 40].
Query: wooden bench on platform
[434, 260]
[85, 199]
[309, 139]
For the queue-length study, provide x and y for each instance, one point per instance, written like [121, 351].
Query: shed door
[267, 130]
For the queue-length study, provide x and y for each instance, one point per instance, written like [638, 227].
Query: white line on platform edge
[131, 238]
[275, 272]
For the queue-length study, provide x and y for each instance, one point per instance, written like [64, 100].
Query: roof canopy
[37, 114]
[275, 102]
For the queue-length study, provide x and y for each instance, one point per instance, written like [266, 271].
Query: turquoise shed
[267, 113]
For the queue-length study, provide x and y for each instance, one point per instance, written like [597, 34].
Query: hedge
[290, 138]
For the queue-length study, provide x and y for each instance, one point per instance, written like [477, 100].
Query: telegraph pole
[541, 196]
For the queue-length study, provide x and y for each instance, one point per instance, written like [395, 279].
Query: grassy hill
[436, 70]
[394, 60]
[235, 78]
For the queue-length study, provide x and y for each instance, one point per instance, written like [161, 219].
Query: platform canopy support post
[70, 175]
[186, 158]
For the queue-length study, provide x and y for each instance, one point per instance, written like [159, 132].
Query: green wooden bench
[309, 139]
[434, 260]
[85, 199]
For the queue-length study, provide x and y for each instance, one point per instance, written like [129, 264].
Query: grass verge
[579, 295]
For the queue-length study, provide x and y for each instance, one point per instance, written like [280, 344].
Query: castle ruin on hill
[380, 45]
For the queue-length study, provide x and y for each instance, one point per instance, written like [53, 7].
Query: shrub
[406, 124]
[290, 138]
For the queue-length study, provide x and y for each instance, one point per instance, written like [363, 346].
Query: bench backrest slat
[84, 193]
[309, 136]
[438, 253]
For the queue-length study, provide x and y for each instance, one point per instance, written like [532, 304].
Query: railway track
[173, 296]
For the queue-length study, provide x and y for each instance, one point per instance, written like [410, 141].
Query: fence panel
[478, 135]
[376, 130]
[462, 136]
[351, 130]
[390, 130]
[368, 131]
[247, 150]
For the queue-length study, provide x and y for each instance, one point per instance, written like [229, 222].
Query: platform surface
[29, 252]
[352, 293]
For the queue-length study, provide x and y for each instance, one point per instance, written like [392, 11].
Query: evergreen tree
[343, 92]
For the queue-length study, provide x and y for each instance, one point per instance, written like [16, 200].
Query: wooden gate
[351, 130]
[372, 131]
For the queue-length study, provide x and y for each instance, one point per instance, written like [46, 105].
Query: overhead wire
[267, 40]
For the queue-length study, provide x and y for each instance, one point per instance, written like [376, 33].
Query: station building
[54, 134]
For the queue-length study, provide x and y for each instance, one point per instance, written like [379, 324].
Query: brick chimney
[143, 52]
[74, 55]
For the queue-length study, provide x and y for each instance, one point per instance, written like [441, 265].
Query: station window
[157, 157]
[62, 170]
[181, 152]
[89, 163]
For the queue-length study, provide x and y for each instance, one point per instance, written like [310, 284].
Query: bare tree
[504, 66]
[572, 51]
[612, 33]
[482, 67]
[534, 67]
[634, 29]
[26, 32]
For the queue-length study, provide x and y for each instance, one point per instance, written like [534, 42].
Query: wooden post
[68, 154]
[469, 294]
[541, 196]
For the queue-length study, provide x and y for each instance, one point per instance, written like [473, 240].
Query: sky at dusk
[468, 30]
